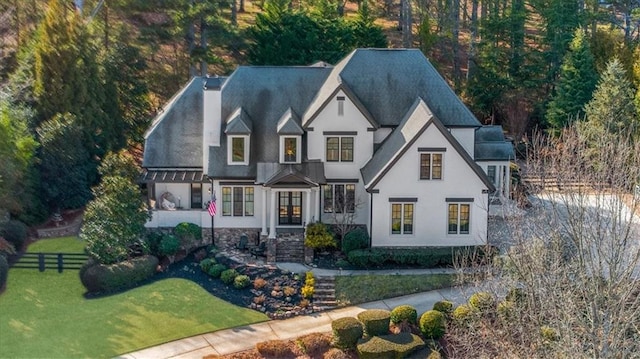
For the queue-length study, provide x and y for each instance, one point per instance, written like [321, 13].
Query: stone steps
[324, 296]
[290, 248]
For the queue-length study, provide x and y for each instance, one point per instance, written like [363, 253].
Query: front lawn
[358, 289]
[45, 315]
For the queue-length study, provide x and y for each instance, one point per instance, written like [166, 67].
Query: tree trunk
[406, 23]
[473, 28]
[455, 45]
[241, 6]
[203, 46]
[106, 27]
[234, 13]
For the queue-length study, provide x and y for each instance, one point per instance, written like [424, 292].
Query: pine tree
[574, 88]
[612, 111]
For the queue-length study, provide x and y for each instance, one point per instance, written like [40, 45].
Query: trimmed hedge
[423, 257]
[122, 275]
[228, 276]
[206, 264]
[390, 346]
[482, 301]
[188, 232]
[241, 281]
[356, 239]
[4, 271]
[346, 332]
[375, 321]
[443, 306]
[462, 313]
[216, 270]
[432, 324]
[403, 313]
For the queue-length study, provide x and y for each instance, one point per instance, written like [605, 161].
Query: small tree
[114, 221]
[344, 215]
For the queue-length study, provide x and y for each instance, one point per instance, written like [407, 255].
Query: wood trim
[342, 180]
[340, 98]
[453, 199]
[340, 133]
[236, 183]
[403, 199]
[371, 129]
[432, 149]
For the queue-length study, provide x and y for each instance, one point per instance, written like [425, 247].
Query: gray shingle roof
[289, 124]
[491, 145]
[308, 173]
[265, 93]
[175, 137]
[238, 123]
[387, 82]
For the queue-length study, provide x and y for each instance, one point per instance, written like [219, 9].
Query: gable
[422, 127]
[320, 104]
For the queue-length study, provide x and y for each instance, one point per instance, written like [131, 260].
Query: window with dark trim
[196, 195]
[340, 105]
[290, 149]
[402, 218]
[237, 201]
[459, 217]
[237, 149]
[339, 149]
[338, 198]
[491, 173]
[431, 166]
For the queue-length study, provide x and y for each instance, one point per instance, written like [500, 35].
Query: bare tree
[344, 215]
[575, 255]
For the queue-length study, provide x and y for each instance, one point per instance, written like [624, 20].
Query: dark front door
[290, 204]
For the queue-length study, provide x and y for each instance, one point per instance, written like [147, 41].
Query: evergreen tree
[65, 163]
[574, 88]
[612, 111]
[17, 150]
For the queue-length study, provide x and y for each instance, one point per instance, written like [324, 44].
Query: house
[380, 137]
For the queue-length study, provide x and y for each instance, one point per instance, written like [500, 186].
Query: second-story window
[339, 149]
[340, 105]
[290, 149]
[430, 166]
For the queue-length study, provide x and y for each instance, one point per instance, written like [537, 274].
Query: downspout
[370, 218]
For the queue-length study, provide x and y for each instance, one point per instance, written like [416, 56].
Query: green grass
[366, 288]
[64, 244]
[44, 315]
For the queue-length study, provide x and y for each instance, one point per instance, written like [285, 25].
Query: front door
[290, 205]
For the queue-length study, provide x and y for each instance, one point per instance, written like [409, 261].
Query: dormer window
[238, 150]
[290, 149]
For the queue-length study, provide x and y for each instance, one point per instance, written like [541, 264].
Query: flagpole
[213, 236]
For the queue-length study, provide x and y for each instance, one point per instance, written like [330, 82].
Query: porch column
[316, 195]
[263, 232]
[308, 208]
[272, 218]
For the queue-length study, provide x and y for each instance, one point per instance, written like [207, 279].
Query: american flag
[212, 205]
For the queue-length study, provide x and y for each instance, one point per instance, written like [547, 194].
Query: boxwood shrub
[482, 301]
[216, 270]
[390, 346]
[346, 332]
[206, 264]
[122, 275]
[356, 239]
[15, 232]
[422, 257]
[404, 313]
[228, 276]
[432, 324]
[188, 233]
[443, 306]
[375, 321]
[241, 281]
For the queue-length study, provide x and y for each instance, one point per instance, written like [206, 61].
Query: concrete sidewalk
[243, 338]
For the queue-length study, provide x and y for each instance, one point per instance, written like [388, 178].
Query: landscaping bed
[279, 297]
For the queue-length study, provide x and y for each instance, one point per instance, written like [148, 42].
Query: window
[290, 149]
[459, 214]
[339, 149]
[431, 166]
[339, 198]
[491, 173]
[237, 201]
[402, 218]
[238, 153]
[196, 195]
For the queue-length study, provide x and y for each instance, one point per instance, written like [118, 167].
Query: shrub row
[390, 346]
[356, 239]
[108, 278]
[424, 257]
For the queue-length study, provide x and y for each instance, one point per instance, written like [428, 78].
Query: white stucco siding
[466, 137]
[351, 121]
[381, 134]
[431, 207]
[221, 221]
[212, 112]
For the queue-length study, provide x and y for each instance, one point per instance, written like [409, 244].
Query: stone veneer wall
[227, 238]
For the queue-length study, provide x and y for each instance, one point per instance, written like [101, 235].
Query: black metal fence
[45, 260]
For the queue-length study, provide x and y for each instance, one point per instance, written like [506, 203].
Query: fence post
[41, 262]
[60, 263]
